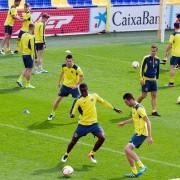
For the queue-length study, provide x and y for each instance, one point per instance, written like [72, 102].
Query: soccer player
[27, 19]
[86, 105]
[174, 47]
[40, 42]
[29, 54]
[8, 25]
[142, 127]
[178, 18]
[149, 73]
[70, 78]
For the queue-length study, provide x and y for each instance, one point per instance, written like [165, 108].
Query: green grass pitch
[31, 147]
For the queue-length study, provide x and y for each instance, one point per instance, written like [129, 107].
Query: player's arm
[61, 77]
[81, 78]
[27, 17]
[107, 104]
[122, 123]
[142, 114]
[149, 138]
[142, 69]
[74, 108]
[158, 68]
[32, 48]
[169, 46]
[15, 15]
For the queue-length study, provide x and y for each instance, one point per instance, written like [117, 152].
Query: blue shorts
[137, 140]
[20, 34]
[149, 86]
[65, 91]
[39, 46]
[28, 61]
[8, 30]
[174, 60]
[83, 130]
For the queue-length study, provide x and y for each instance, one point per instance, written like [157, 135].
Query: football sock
[134, 170]
[140, 164]
[20, 78]
[171, 80]
[27, 83]
[154, 110]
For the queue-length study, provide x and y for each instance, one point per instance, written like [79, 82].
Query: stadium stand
[60, 3]
[4, 4]
[80, 3]
[134, 2]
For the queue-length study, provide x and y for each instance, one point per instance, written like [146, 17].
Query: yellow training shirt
[175, 41]
[138, 113]
[9, 19]
[27, 45]
[27, 20]
[71, 75]
[39, 32]
[87, 108]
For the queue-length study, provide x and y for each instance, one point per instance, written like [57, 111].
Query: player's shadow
[85, 168]
[10, 90]
[49, 170]
[114, 121]
[118, 178]
[166, 87]
[47, 125]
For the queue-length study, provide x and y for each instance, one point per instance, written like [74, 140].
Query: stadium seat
[4, 4]
[39, 3]
[100, 2]
[80, 3]
[60, 3]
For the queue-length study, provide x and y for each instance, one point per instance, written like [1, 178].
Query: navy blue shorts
[175, 60]
[137, 140]
[65, 91]
[83, 130]
[20, 34]
[28, 61]
[8, 30]
[39, 46]
[149, 86]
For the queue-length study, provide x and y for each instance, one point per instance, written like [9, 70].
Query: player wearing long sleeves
[142, 128]
[86, 105]
[149, 73]
[28, 55]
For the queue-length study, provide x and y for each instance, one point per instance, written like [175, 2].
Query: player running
[142, 127]
[149, 73]
[70, 78]
[8, 25]
[86, 105]
[29, 54]
[27, 19]
[40, 42]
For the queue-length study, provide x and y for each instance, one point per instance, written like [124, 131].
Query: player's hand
[117, 110]
[72, 115]
[149, 140]
[59, 85]
[75, 86]
[121, 124]
[142, 82]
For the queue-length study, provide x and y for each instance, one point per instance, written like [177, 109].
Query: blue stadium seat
[4, 4]
[80, 3]
[39, 3]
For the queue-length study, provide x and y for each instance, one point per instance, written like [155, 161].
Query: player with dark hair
[174, 47]
[28, 55]
[8, 25]
[40, 42]
[86, 105]
[27, 19]
[70, 78]
[149, 73]
[178, 18]
[142, 127]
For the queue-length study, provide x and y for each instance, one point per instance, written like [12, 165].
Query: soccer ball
[68, 52]
[135, 64]
[178, 100]
[67, 171]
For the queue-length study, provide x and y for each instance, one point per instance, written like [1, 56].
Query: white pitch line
[85, 144]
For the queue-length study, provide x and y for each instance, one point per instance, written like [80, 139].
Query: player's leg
[79, 132]
[4, 43]
[132, 157]
[64, 91]
[143, 96]
[28, 77]
[21, 78]
[145, 89]
[97, 131]
[171, 72]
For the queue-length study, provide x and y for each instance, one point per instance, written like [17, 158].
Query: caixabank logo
[134, 18]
